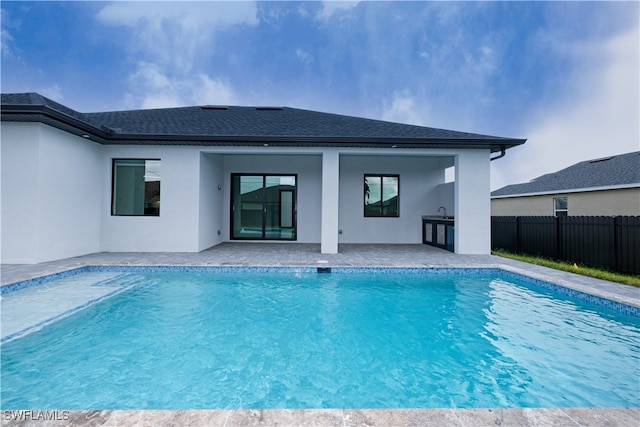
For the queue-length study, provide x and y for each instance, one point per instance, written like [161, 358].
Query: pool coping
[623, 294]
[480, 417]
[300, 255]
[605, 291]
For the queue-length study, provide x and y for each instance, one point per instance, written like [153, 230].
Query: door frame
[294, 213]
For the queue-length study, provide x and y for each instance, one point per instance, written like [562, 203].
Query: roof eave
[569, 191]
[103, 135]
[56, 118]
[310, 141]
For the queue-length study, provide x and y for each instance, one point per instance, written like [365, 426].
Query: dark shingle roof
[211, 125]
[36, 99]
[252, 121]
[620, 170]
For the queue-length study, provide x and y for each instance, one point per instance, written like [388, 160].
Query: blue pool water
[306, 340]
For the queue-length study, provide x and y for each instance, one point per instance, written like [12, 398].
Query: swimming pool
[296, 338]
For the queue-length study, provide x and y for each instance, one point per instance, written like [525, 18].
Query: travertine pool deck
[295, 254]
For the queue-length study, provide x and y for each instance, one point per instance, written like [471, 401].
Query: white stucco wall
[51, 194]
[330, 204]
[418, 195]
[445, 193]
[211, 201]
[472, 203]
[19, 146]
[176, 229]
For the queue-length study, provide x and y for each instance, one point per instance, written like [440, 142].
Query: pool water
[307, 340]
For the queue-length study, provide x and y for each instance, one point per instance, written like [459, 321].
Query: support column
[473, 203]
[330, 189]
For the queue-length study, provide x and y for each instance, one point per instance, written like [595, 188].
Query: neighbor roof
[232, 125]
[621, 171]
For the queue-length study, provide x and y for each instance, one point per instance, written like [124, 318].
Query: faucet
[444, 210]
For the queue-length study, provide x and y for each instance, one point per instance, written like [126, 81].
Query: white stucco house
[186, 179]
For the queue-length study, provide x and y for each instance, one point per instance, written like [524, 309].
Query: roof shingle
[620, 170]
[208, 124]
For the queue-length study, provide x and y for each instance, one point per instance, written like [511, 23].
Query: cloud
[304, 56]
[601, 116]
[432, 55]
[401, 108]
[333, 7]
[176, 33]
[52, 92]
[153, 88]
[7, 41]
[173, 42]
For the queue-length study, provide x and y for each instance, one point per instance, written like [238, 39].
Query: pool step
[120, 280]
[28, 310]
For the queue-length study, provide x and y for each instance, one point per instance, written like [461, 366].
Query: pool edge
[598, 295]
[330, 417]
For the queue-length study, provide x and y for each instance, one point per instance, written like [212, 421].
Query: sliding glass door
[263, 207]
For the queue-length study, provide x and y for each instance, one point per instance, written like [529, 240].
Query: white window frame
[561, 211]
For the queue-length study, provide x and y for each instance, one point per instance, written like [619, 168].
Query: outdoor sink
[438, 217]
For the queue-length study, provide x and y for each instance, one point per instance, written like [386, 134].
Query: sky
[563, 75]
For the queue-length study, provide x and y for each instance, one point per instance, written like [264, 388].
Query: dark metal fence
[612, 243]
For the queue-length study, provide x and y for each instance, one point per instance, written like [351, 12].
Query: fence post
[616, 251]
[559, 239]
[518, 245]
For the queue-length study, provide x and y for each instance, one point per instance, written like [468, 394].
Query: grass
[626, 279]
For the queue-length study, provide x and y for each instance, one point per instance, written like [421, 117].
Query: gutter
[57, 116]
[503, 152]
[117, 138]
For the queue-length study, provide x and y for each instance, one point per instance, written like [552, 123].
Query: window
[560, 206]
[381, 195]
[135, 187]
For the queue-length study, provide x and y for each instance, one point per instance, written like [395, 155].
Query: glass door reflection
[263, 207]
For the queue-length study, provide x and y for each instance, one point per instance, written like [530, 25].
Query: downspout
[503, 152]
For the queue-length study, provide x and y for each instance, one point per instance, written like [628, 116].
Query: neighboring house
[608, 186]
[186, 179]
